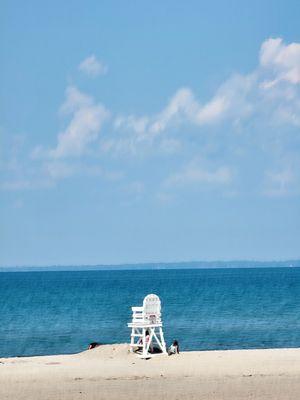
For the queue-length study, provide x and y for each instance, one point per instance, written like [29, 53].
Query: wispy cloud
[259, 110]
[87, 118]
[197, 174]
[233, 102]
[93, 67]
[27, 183]
[58, 169]
[240, 97]
[182, 107]
[278, 183]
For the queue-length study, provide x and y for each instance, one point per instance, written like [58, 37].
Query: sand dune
[111, 372]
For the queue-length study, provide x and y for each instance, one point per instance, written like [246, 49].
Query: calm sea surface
[61, 312]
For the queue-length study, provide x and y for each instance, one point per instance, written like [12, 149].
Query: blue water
[61, 312]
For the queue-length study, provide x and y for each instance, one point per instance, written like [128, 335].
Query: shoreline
[125, 344]
[111, 372]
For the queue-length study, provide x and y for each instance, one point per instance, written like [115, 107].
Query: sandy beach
[111, 372]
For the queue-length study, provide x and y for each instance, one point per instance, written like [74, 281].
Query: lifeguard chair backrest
[152, 307]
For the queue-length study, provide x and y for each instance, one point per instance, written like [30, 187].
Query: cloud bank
[258, 112]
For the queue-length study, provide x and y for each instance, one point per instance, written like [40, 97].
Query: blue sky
[149, 131]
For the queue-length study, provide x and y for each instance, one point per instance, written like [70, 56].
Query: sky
[144, 131]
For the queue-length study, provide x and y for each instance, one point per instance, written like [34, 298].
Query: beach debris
[93, 345]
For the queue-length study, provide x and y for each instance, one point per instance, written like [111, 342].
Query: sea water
[204, 309]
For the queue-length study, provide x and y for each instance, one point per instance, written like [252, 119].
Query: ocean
[57, 312]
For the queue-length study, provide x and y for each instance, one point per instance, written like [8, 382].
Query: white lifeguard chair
[146, 328]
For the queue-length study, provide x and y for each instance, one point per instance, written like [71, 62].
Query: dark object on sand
[93, 345]
[174, 348]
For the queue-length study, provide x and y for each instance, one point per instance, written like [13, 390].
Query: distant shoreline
[156, 266]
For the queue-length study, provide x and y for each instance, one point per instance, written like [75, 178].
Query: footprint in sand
[53, 363]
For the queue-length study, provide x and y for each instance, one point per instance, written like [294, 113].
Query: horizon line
[145, 265]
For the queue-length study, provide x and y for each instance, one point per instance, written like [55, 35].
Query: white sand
[111, 372]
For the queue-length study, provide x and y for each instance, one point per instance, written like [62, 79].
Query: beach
[112, 372]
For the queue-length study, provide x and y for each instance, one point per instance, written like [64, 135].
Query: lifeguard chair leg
[144, 348]
[161, 334]
[132, 340]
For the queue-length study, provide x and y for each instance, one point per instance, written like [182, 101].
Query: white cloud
[237, 99]
[282, 61]
[58, 169]
[289, 113]
[255, 112]
[255, 98]
[212, 111]
[87, 118]
[93, 67]
[75, 99]
[138, 125]
[144, 132]
[182, 107]
[278, 183]
[26, 183]
[195, 173]
[233, 102]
